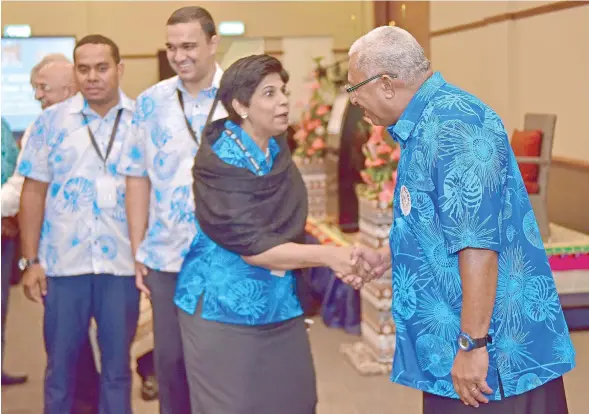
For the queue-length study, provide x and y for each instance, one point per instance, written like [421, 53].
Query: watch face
[463, 342]
[22, 264]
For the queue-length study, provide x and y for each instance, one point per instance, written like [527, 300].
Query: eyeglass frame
[43, 87]
[350, 89]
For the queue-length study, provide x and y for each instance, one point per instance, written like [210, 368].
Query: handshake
[358, 265]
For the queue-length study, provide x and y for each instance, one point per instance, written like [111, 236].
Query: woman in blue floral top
[245, 342]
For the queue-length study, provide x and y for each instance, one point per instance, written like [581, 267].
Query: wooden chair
[545, 123]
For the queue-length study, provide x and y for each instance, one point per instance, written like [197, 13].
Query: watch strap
[30, 262]
[482, 342]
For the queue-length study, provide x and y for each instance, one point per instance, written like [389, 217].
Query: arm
[478, 273]
[34, 166]
[30, 219]
[290, 256]
[31, 216]
[137, 206]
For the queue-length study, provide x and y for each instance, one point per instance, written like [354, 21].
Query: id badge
[106, 192]
[278, 273]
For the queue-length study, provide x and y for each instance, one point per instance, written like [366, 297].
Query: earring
[243, 116]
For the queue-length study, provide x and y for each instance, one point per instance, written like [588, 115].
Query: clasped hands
[358, 265]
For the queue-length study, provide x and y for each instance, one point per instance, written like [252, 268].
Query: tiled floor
[341, 389]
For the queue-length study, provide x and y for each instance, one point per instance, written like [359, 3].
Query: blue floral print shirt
[459, 186]
[232, 290]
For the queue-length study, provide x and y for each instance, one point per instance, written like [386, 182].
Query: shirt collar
[78, 103]
[211, 90]
[255, 151]
[401, 131]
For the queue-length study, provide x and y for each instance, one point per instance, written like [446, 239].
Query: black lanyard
[112, 136]
[245, 151]
[190, 130]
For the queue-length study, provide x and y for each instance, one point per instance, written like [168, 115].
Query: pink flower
[386, 196]
[394, 178]
[396, 154]
[376, 135]
[366, 177]
[389, 186]
[383, 149]
[310, 152]
[322, 110]
[318, 144]
[311, 125]
[377, 162]
[301, 135]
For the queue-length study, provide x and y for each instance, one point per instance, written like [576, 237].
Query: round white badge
[405, 201]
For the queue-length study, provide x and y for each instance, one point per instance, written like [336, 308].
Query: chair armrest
[532, 160]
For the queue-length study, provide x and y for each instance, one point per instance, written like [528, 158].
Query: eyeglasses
[43, 87]
[350, 89]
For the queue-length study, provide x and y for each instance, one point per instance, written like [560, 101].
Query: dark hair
[97, 39]
[191, 14]
[242, 78]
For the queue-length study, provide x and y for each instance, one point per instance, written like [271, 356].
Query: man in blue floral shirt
[479, 322]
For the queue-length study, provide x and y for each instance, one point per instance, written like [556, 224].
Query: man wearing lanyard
[76, 253]
[157, 160]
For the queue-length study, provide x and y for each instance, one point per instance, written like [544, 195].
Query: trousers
[549, 398]
[170, 370]
[113, 301]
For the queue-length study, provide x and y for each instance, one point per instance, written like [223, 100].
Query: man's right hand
[140, 274]
[378, 261]
[35, 283]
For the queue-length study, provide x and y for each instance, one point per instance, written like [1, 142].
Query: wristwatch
[466, 343]
[24, 264]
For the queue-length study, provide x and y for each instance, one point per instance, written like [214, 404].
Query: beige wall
[533, 64]
[139, 27]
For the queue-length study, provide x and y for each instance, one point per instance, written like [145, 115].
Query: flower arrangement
[380, 172]
[312, 130]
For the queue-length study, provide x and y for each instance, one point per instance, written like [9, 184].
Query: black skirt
[238, 369]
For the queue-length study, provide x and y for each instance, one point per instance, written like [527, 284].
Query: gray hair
[390, 49]
[52, 57]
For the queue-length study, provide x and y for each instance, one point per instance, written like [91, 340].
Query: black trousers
[549, 398]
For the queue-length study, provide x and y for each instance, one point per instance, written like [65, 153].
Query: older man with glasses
[53, 81]
[479, 322]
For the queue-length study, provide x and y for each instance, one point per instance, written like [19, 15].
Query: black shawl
[242, 212]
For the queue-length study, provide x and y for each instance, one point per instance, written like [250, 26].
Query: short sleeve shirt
[459, 186]
[160, 146]
[78, 235]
